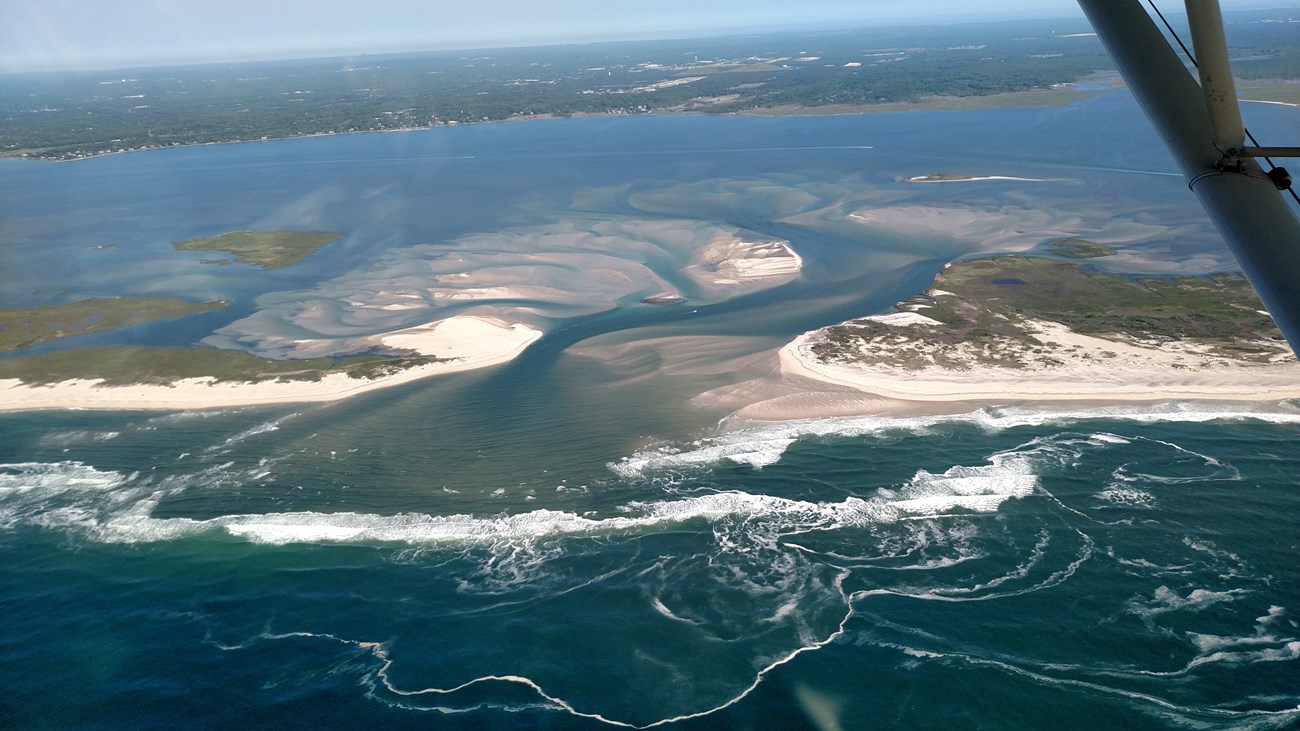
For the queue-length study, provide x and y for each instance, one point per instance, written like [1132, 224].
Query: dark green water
[569, 540]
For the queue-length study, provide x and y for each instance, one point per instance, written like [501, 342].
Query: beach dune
[1085, 369]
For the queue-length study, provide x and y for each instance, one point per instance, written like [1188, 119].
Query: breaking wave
[117, 508]
[774, 576]
[760, 445]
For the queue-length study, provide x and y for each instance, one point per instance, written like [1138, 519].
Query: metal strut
[1229, 134]
[1258, 225]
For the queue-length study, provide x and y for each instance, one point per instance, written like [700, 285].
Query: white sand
[734, 261]
[765, 260]
[972, 178]
[1265, 101]
[903, 319]
[474, 342]
[1093, 369]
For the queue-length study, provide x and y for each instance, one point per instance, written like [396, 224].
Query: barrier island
[1031, 328]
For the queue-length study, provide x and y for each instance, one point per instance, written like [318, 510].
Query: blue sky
[62, 34]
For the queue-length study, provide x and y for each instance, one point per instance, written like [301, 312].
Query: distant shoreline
[1003, 100]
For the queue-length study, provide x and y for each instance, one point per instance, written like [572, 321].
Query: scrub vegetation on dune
[984, 312]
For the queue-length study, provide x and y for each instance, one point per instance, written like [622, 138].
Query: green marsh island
[1006, 311]
[25, 327]
[265, 249]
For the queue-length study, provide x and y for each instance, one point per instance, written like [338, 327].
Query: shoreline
[474, 342]
[1105, 382]
[969, 341]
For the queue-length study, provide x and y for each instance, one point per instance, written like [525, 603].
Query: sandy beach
[469, 341]
[1089, 369]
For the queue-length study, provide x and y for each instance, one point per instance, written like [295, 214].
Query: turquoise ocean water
[573, 540]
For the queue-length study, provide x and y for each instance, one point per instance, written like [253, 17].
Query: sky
[38, 35]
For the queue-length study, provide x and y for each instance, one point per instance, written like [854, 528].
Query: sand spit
[970, 179]
[1084, 368]
[472, 342]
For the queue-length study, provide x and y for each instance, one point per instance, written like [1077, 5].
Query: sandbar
[732, 261]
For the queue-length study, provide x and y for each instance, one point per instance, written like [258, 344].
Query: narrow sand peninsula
[969, 179]
[469, 342]
[1087, 369]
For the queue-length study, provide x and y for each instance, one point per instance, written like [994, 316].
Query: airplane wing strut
[1201, 126]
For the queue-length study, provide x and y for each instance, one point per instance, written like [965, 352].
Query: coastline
[470, 342]
[1136, 375]
[1028, 98]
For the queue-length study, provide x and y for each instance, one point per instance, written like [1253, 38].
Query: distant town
[78, 114]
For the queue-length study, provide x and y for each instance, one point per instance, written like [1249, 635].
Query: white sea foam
[263, 428]
[1165, 600]
[762, 444]
[38, 492]
[56, 476]
[757, 452]
[1127, 497]
[176, 417]
[1266, 628]
[68, 438]
[1109, 439]
[1285, 653]
[1206, 716]
[106, 506]
[659, 607]
[977, 489]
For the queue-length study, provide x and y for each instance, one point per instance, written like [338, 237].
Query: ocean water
[574, 539]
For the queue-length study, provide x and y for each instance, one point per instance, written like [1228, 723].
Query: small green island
[25, 327]
[265, 249]
[988, 312]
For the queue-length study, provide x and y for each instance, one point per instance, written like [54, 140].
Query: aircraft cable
[1192, 58]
